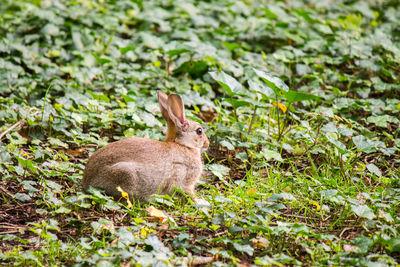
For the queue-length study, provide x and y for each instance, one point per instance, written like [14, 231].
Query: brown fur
[143, 167]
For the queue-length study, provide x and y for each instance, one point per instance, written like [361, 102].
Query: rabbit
[143, 167]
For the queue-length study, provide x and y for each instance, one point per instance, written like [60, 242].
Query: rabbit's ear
[176, 111]
[162, 101]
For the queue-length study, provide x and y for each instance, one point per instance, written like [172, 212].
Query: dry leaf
[156, 213]
[281, 106]
[260, 242]
[143, 232]
[126, 196]
[316, 204]
[251, 191]
[163, 227]
[361, 198]
[75, 152]
[349, 248]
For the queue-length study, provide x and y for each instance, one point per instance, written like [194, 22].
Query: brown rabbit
[142, 167]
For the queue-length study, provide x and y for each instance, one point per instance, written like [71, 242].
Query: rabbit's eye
[199, 131]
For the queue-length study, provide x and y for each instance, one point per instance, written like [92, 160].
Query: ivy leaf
[219, 170]
[126, 49]
[270, 154]
[243, 248]
[394, 244]
[154, 244]
[274, 82]
[362, 243]
[372, 168]
[231, 46]
[62, 210]
[230, 85]
[227, 144]
[266, 91]
[101, 60]
[293, 96]
[175, 52]
[22, 197]
[339, 145]
[363, 211]
[55, 142]
[382, 121]
[364, 144]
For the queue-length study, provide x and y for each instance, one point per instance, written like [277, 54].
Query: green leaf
[364, 144]
[227, 144]
[274, 82]
[231, 46]
[55, 142]
[239, 103]
[22, 197]
[306, 15]
[62, 210]
[101, 60]
[382, 121]
[394, 244]
[270, 14]
[154, 244]
[363, 243]
[270, 154]
[99, 96]
[372, 168]
[363, 211]
[27, 163]
[126, 49]
[219, 170]
[266, 91]
[243, 248]
[196, 68]
[284, 196]
[175, 52]
[230, 85]
[293, 96]
[339, 145]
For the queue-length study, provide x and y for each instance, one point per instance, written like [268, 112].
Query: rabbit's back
[142, 167]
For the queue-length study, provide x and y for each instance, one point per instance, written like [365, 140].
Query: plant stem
[269, 122]
[279, 120]
[252, 120]
[234, 109]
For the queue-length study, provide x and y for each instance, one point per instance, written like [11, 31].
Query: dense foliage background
[300, 100]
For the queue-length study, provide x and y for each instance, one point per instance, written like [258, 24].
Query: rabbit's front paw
[189, 190]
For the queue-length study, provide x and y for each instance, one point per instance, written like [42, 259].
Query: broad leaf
[372, 168]
[126, 49]
[293, 96]
[230, 85]
[274, 82]
[363, 211]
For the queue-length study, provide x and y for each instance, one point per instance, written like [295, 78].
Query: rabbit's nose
[206, 143]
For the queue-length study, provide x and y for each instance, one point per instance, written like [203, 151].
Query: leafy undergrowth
[300, 101]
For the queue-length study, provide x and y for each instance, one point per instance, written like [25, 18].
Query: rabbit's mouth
[206, 144]
[204, 149]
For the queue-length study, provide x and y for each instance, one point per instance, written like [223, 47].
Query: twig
[5, 190]
[343, 231]
[10, 226]
[16, 125]
[221, 233]
[195, 260]
[9, 232]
